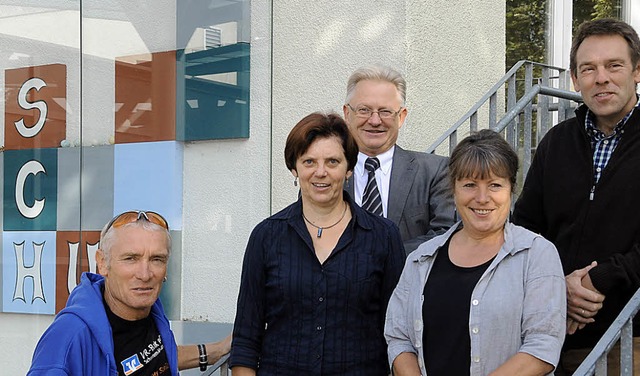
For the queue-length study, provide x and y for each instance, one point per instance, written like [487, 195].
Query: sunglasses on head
[134, 216]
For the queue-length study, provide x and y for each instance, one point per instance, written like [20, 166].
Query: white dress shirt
[383, 177]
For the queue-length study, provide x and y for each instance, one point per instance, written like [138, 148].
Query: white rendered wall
[455, 54]
[632, 13]
[451, 53]
[226, 193]
[19, 335]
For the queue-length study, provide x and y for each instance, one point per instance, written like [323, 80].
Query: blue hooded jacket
[79, 342]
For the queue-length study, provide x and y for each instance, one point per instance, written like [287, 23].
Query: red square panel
[145, 98]
[73, 257]
[35, 107]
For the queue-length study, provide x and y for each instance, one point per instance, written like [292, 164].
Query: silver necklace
[325, 227]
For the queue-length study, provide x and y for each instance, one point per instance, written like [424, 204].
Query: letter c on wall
[29, 168]
[32, 83]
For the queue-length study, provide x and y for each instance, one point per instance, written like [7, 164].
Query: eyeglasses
[365, 112]
[134, 216]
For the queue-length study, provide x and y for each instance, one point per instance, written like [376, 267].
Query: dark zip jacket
[556, 201]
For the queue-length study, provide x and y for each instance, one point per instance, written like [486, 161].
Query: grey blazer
[420, 200]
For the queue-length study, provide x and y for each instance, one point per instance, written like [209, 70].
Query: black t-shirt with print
[139, 350]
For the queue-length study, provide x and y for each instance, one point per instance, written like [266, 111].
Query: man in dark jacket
[582, 190]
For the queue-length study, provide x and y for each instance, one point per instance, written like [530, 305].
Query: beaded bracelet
[204, 361]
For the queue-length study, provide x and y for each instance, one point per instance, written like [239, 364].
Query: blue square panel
[68, 189]
[30, 189]
[28, 272]
[172, 288]
[213, 84]
[96, 186]
[208, 108]
[148, 176]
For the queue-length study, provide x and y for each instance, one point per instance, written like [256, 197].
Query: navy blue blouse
[296, 316]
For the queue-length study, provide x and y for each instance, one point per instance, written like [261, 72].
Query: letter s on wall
[32, 83]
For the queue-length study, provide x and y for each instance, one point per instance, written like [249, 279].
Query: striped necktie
[371, 200]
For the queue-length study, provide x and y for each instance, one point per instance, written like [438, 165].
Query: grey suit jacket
[420, 200]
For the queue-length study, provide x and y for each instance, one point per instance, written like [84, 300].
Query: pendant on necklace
[319, 235]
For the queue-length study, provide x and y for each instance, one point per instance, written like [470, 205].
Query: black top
[556, 202]
[445, 313]
[138, 347]
[296, 316]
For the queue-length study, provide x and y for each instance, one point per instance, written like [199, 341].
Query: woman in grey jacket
[486, 297]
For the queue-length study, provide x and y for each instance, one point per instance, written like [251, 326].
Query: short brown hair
[481, 154]
[319, 125]
[605, 26]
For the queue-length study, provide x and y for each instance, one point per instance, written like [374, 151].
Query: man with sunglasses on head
[409, 188]
[114, 323]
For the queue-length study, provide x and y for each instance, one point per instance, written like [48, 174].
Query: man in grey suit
[410, 188]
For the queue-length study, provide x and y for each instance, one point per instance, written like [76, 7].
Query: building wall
[633, 7]
[301, 56]
[440, 46]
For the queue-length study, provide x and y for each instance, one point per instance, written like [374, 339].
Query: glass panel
[526, 28]
[213, 70]
[40, 167]
[104, 103]
[584, 10]
[176, 72]
[527, 25]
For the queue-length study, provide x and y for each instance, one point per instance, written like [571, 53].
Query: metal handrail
[517, 120]
[222, 364]
[621, 328]
[528, 97]
[509, 78]
[476, 107]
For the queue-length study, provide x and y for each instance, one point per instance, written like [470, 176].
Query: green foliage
[606, 9]
[526, 25]
[582, 10]
[586, 10]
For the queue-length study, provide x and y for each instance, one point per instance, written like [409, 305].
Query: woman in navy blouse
[317, 276]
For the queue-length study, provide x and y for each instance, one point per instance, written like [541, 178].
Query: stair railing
[221, 366]
[622, 329]
[528, 89]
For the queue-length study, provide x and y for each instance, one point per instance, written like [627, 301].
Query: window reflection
[206, 77]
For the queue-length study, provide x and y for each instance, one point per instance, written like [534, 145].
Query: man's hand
[583, 299]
